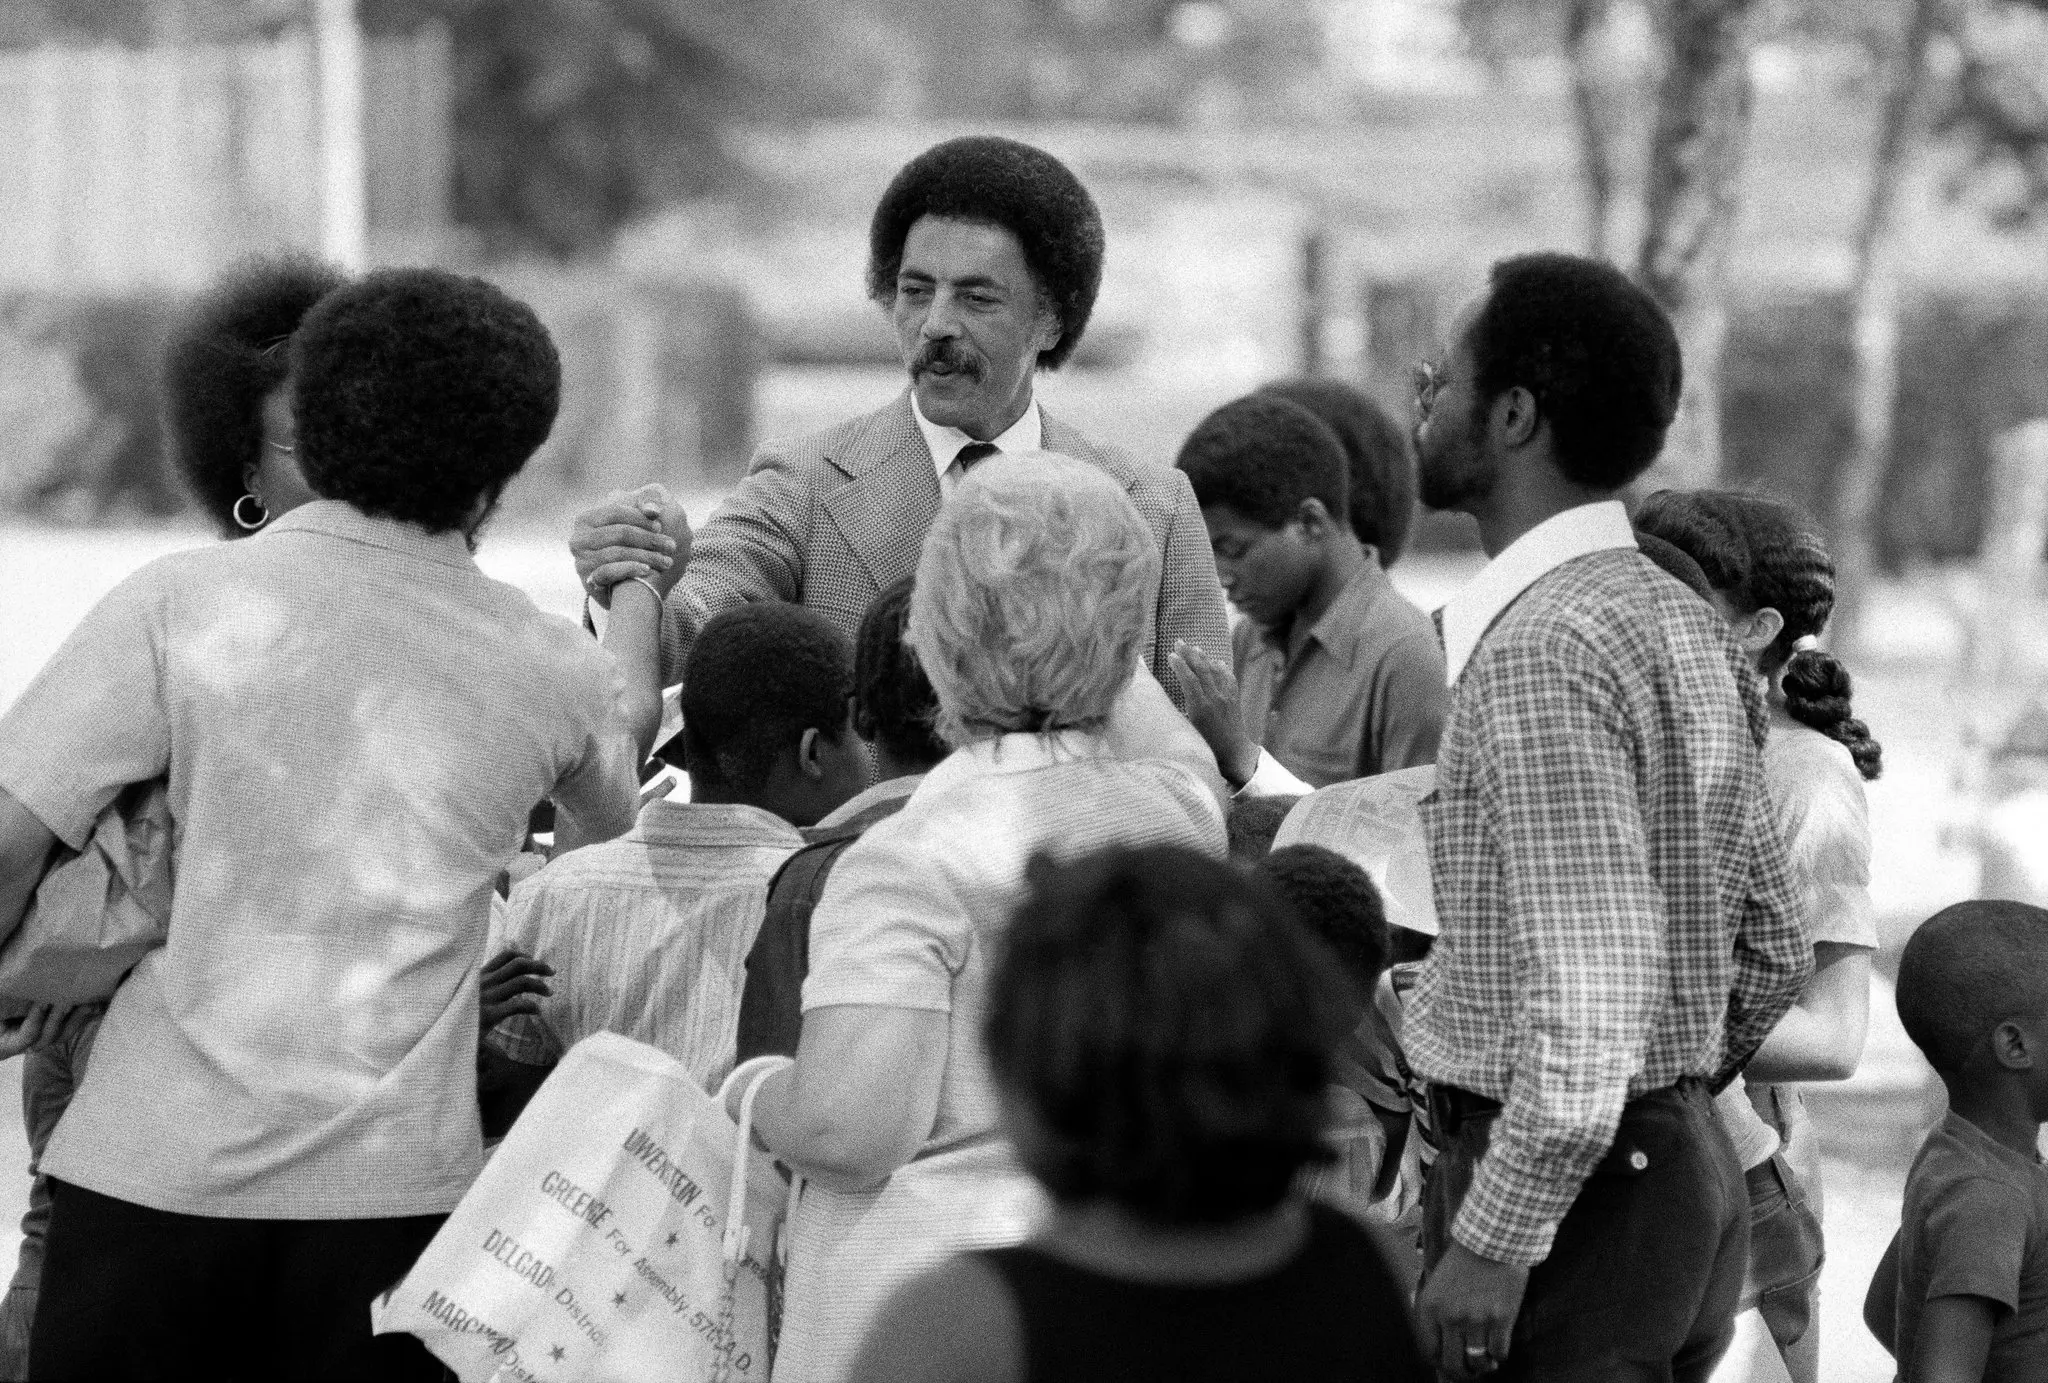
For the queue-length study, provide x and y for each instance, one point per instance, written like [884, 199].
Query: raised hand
[627, 536]
[1212, 708]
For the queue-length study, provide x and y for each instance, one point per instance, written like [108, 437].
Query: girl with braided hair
[1772, 579]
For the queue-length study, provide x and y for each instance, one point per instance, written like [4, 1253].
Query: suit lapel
[1056, 435]
[891, 495]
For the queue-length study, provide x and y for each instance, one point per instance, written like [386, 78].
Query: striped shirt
[649, 934]
[1615, 904]
[353, 723]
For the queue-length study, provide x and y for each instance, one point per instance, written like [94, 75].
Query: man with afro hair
[987, 254]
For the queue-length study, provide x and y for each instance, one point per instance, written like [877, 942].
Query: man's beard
[1451, 466]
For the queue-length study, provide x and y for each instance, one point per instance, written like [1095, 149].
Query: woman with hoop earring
[227, 396]
[227, 409]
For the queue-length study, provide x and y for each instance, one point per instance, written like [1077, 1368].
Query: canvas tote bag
[622, 1231]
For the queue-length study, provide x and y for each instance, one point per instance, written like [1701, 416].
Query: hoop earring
[244, 523]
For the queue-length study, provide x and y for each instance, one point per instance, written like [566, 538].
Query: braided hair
[1758, 553]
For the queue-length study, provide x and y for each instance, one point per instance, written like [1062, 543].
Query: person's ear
[2012, 1047]
[1047, 327]
[1761, 630]
[1515, 416]
[251, 472]
[810, 755]
[1315, 521]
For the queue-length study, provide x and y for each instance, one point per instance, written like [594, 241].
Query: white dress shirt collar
[945, 443]
[1560, 538]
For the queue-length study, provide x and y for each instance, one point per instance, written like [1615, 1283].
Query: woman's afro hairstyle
[227, 354]
[999, 182]
[1378, 452]
[418, 392]
[1168, 1026]
[1597, 352]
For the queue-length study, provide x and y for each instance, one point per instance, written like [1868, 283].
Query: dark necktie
[973, 452]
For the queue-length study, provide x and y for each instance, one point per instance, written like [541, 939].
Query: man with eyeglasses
[1618, 926]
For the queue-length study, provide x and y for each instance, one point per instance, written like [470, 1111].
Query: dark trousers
[1645, 1274]
[134, 1293]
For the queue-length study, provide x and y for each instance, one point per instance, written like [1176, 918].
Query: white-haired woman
[1030, 610]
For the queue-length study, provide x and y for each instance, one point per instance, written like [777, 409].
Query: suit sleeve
[1190, 597]
[753, 548]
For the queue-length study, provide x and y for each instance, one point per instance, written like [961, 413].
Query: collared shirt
[1360, 692]
[1615, 903]
[1544, 548]
[353, 723]
[945, 443]
[649, 934]
[912, 918]
[912, 907]
[867, 799]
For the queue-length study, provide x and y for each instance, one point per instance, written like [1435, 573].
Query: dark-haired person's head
[419, 394]
[765, 719]
[1270, 477]
[894, 706]
[1973, 995]
[1161, 1029]
[1676, 563]
[1564, 365]
[227, 402]
[1377, 453]
[1337, 901]
[988, 255]
[1251, 824]
[1773, 580]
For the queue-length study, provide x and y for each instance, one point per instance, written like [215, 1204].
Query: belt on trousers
[1451, 1107]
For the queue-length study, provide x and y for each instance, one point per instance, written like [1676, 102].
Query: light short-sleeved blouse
[1818, 801]
[909, 920]
[353, 722]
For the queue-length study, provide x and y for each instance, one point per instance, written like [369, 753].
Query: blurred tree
[1874, 315]
[1697, 148]
[572, 117]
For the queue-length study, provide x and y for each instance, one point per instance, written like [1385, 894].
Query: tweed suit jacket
[830, 519]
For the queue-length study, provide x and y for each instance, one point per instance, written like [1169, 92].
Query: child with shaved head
[1967, 1277]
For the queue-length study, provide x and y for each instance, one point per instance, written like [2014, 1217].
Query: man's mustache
[945, 353]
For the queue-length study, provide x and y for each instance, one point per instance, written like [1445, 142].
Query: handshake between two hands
[635, 535]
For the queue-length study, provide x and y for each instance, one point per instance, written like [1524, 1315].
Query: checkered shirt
[1616, 907]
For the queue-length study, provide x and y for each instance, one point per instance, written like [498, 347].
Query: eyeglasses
[1429, 379]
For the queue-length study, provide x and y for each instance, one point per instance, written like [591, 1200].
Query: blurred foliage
[1991, 101]
[1996, 113]
[1972, 364]
[572, 117]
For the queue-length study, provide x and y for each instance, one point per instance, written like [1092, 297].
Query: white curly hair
[1032, 596]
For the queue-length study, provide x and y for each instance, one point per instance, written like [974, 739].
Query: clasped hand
[633, 534]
